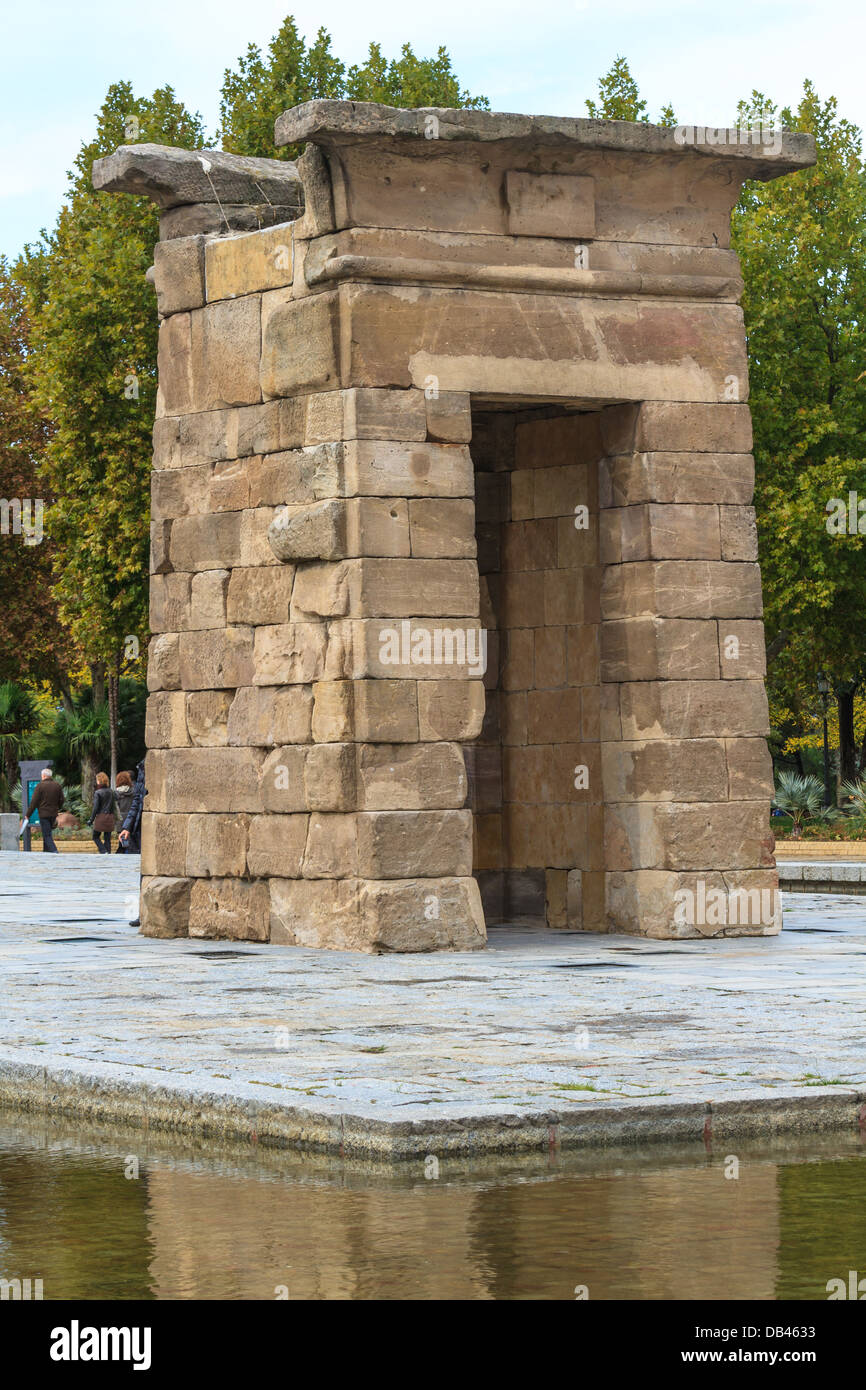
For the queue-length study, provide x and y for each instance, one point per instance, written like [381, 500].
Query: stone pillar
[317, 668]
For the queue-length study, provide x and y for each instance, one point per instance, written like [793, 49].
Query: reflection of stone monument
[492, 378]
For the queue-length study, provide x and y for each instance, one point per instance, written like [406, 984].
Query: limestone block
[682, 589]
[553, 205]
[163, 845]
[208, 542]
[441, 527]
[555, 898]
[365, 710]
[636, 649]
[229, 908]
[582, 653]
[576, 437]
[160, 542]
[663, 904]
[376, 468]
[174, 362]
[450, 709]
[217, 846]
[194, 441]
[276, 846]
[179, 274]
[398, 588]
[299, 344]
[366, 414]
[332, 530]
[203, 779]
[281, 782]
[165, 906]
[413, 777]
[449, 417]
[165, 723]
[241, 264]
[295, 477]
[402, 844]
[431, 914]
[207, 713]
[415, 649]
[271, 426]
[701, 478]
[225, 340]
[753, 901]
[163, 662]
[547, 836]
[330, 777]
[667, 425]
[169, 602]
[207, 605]
[566, 597]
[693, 709]
[179, 491]
[262, 716]
[216, 659]
[289, 654]
[666, 770]
[254, 545]
[742, 654]
[317, 912]
[260, 595]
[750, 769]
[739, 533]
[332, 847]
[657, 531]
[673, 835]
[229, 486]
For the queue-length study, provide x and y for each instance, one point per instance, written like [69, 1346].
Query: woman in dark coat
[130, 833]
[102, 815]
[123, 794]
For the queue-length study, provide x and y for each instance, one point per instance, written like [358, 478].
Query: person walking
[102, 816]
[47, 802]
[123, 795]
[130, 833]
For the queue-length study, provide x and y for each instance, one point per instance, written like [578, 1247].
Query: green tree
[19, 722]
[92, 370]
[620, 100]
[802, 247]
[261, 88]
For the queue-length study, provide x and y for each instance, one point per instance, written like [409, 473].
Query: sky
[543, 57]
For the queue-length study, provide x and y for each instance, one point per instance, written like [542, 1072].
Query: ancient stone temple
[455, 600]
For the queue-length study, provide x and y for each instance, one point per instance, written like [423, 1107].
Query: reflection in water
[214, 1223]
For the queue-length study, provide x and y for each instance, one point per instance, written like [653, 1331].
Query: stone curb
[829, 876]
[97, 1093]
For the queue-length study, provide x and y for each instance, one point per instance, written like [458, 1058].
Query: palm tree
[19, 721]
[82, 735]
[801, 797]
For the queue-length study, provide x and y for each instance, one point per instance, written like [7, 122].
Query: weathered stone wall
[319, 491]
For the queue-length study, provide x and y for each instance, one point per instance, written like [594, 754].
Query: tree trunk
[89, 769]
[847, 743]
[113, 684]
[97, 682]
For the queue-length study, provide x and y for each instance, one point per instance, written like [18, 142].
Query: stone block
[700, 478]
[449, 417]
[229, 909]
[365, 710]
[160, 543]
[289, 654]
[430, 914]
[550, 205]
[330, 777]
[229, 486]
[176, 492]
[442, 527]
[203, 779]
[332, 847]
[163, 845]
[165, 906]
[255, 548]
[412, 649]
[169, 602]
[217, 659]
[366, 414]
[163, 662]
[225, 341]
[176, 393]
[207, 713]
[207, 604]
[449, 709]
[666, 770]
[276, 846]
[649, 649]
[405, 844]
[299, 344]
[317, 913]
[265, 716]
[659, 531]
[211, 541]
[742, 654]
[247, 262]
[682, 589]
[217, 846]
[281, 781]
[674, 426]
[165, 723]
[413, 777]
[271, 427]
[693, 709]
[739, 533]
[179, 274]
[750, 769]
[672, 835]
[260, 595]
[383, 469]
[295, 477]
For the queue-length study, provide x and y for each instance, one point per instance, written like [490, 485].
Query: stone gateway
[455, 601]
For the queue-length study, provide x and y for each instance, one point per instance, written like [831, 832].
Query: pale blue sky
[540, 57]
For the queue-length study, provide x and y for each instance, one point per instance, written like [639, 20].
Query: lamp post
[824, 691]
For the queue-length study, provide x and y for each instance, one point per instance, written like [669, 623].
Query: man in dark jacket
[130, 831]
[47, 800]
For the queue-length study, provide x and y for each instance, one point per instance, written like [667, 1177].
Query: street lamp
[824, 691]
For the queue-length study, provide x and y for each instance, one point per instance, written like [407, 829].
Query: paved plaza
[574, 1036]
